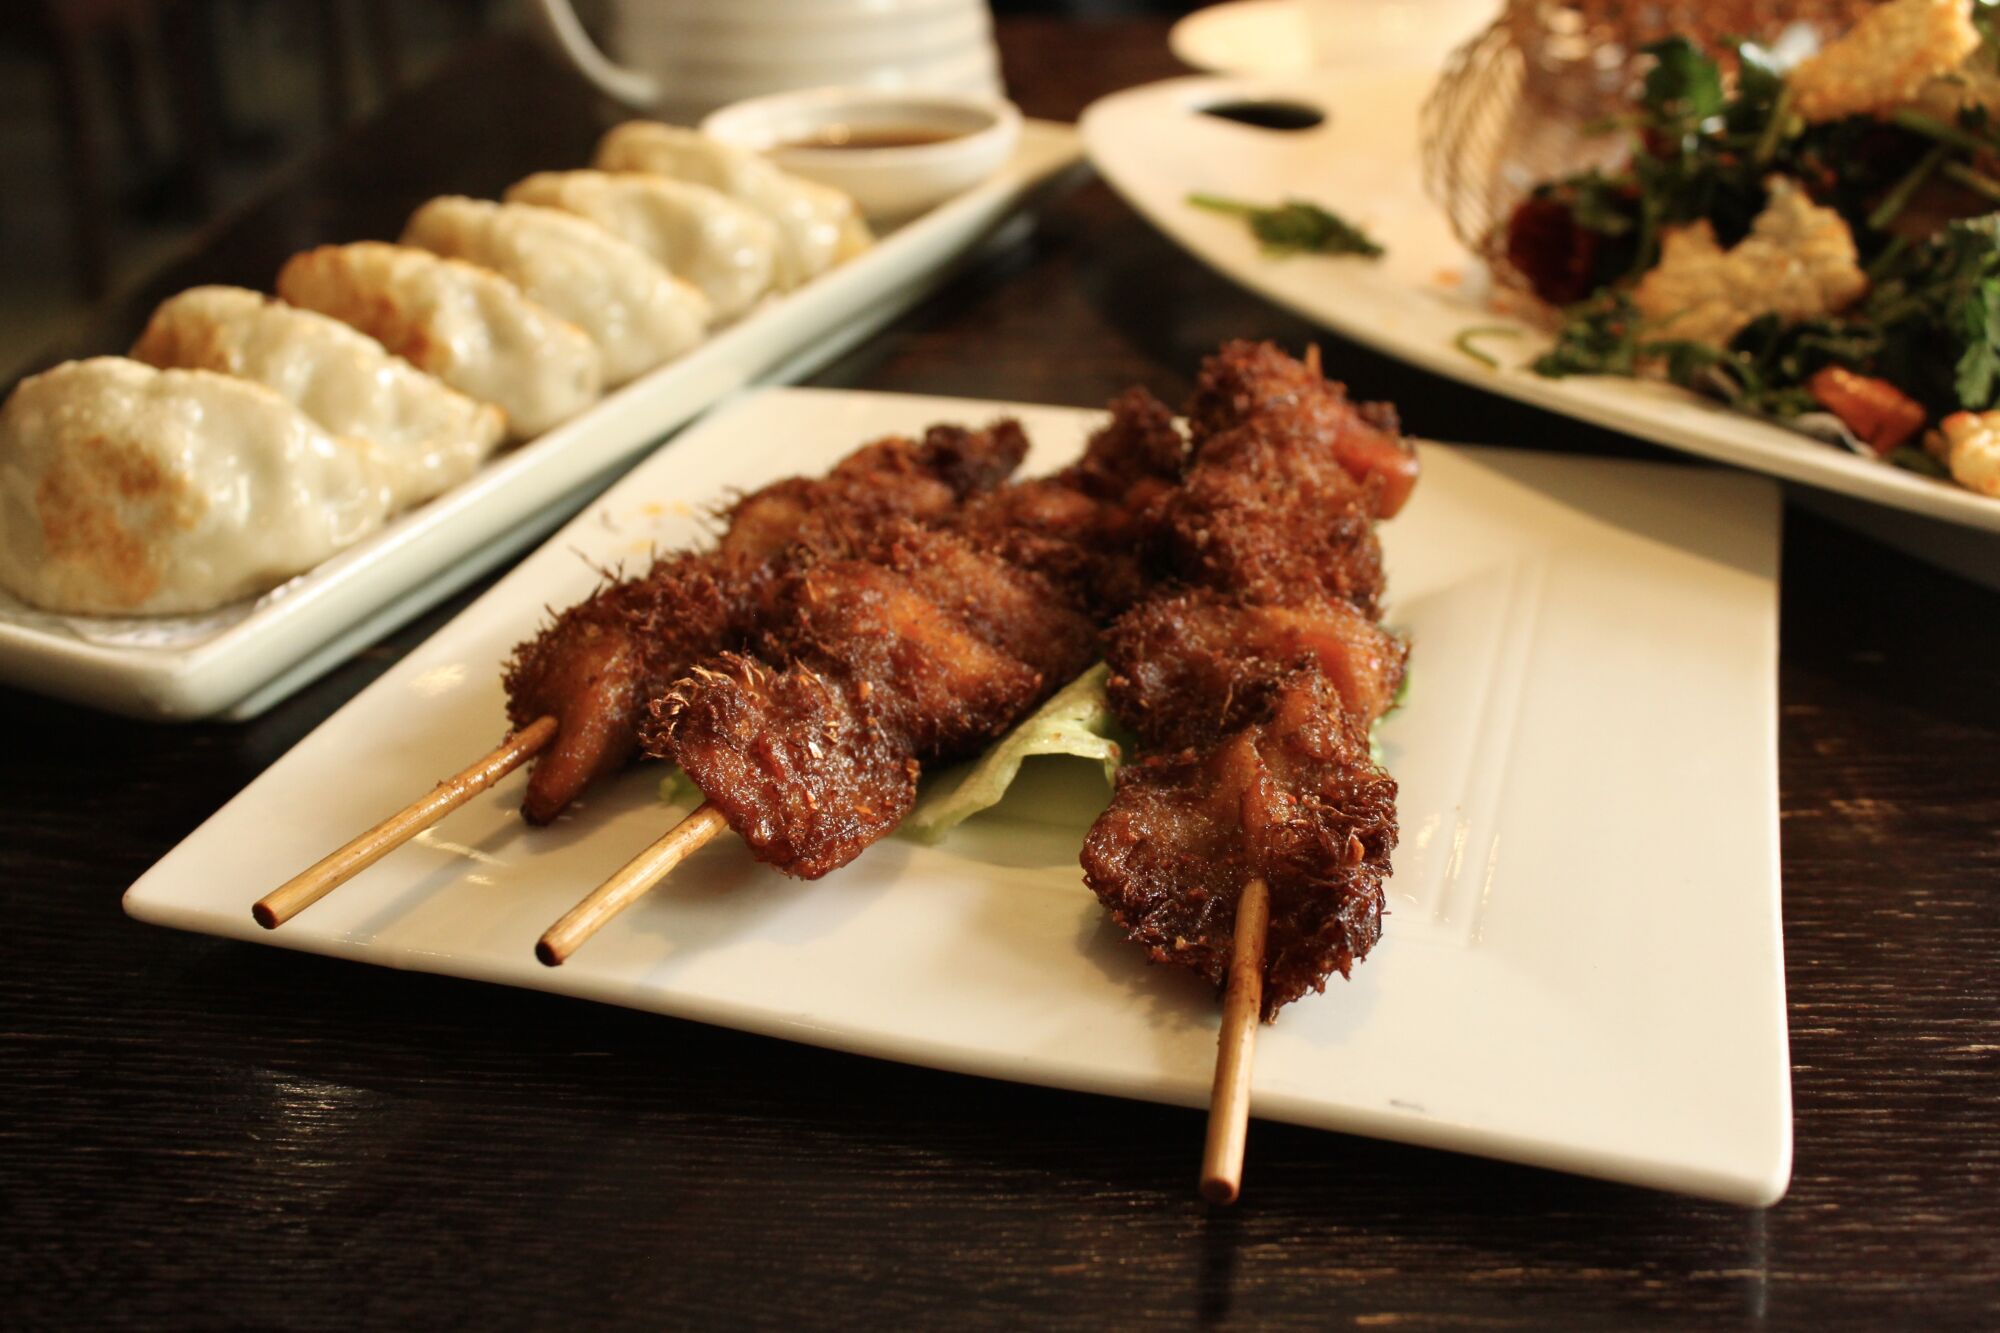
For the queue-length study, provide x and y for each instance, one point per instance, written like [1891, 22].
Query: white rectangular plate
[240, 660]
[1155, 147]
[1582, 967]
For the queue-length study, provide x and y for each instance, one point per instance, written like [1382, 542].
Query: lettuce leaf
[1375, 750]
[1076, 721]
[677, 787]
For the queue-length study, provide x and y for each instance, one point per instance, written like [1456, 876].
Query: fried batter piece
[1188, 670]
[1253, 683]
[884, 670]
[1294, 800]
[1016, 610]
[601, 662]
[891, 479]
[1263, 523]
[1140, 443]
[1251, 383]
[920, 669]
[795, 759]
[597, 666]
[1093, 528]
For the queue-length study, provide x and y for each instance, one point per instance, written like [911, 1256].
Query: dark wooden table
[203, 1133]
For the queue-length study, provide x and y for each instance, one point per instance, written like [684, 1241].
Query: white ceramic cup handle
[627, 85]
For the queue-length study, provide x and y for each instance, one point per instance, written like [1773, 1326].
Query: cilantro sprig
[1296, 226]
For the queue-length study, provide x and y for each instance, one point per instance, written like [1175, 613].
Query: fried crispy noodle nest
[1512, 107]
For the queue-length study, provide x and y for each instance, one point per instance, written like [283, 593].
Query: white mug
[684, 58]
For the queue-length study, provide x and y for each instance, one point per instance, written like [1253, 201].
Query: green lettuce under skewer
[1076, 721]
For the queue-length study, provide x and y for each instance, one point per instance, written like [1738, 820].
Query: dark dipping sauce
[887, 136]
[1268, 115]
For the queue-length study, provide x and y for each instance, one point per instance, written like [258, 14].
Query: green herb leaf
[1597, 337]
[1296, 226]
[1759, 80]
[1932, 128]
[1912, 459]
[1600, 203]
[1464, 342]
[1898, 198]
[1978, 365]
[1683, 84]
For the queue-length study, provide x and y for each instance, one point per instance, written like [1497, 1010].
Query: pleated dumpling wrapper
[818, 225]
[466, 325]
[727, 249]
[638, 313]
[431, 435]
[135, 491]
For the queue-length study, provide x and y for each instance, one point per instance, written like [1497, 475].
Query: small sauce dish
[896, 151]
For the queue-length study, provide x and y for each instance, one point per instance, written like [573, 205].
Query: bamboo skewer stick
[323, 877]
[630, 884]
[1236, 1048]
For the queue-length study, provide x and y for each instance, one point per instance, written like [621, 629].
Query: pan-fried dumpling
[466, 325]
[727, 249]
[818, 225]
[125, 489]
[432, 435]
[638, 313]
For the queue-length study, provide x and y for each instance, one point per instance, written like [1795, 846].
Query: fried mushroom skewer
[917, 649]
[576, 691]
[598, 666]
[1250, 840]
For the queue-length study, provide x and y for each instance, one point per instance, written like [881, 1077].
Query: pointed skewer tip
[336, 868]
[628, 885]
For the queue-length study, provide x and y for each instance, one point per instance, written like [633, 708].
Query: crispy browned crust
[880, 483]
[1187, 670]
[1094, 530]
[1251, 673]
[1140, 441]
[919, 667]
[1256, 386]
[599, 663]
[1266, 526]
[1011, 608]
[1293, 800]
[795, 759]
[811, 749]
[970, 461]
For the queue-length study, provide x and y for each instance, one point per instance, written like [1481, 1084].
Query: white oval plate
[1563, 980]
[238, 661]
[1155, 147]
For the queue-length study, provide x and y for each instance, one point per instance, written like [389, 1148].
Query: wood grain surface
[201, 1133]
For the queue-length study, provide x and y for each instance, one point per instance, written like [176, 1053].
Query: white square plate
[1582, 968]
[240, 660]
